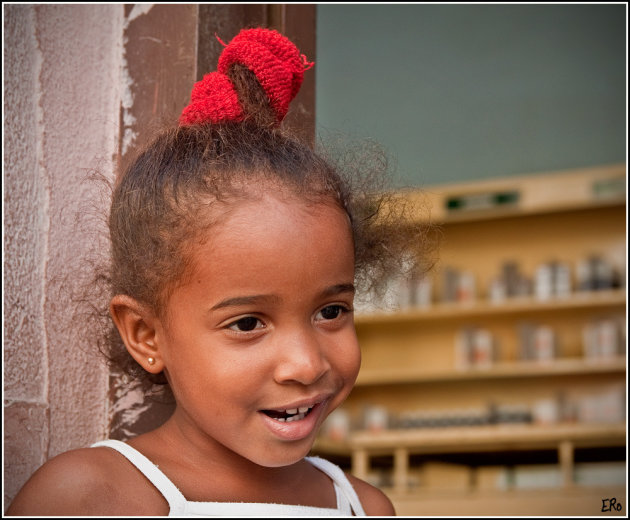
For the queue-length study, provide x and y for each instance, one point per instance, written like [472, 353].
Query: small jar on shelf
[537, 343]
[604, 338]
[459, 286]
[509, 283]
[552, 280]
[597, 273]
[475, 347]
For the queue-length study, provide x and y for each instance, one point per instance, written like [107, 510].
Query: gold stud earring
[151, 361]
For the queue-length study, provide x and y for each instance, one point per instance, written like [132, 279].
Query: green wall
[463, 92]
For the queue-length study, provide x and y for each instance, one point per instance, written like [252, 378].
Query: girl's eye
[246, 324]
[331, 312]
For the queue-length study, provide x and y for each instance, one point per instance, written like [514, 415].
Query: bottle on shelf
[459, 286]
[606, 406]
[602, 339]
[422, 292]
[552, 280]
[596, 273]
[475, 347]
[375, 418]
[537, 343]
[546, 411]
[337, 425]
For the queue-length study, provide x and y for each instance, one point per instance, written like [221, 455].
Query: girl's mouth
[292, 424]
[289, 415]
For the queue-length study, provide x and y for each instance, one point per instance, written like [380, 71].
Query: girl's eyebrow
[246, 300]
[338, 289]
[333, 290]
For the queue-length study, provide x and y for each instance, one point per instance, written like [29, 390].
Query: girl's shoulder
[88, 482]
[373, 500]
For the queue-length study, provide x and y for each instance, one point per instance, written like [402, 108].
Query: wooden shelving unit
[409, 359]
[516, 369]
[521, 306]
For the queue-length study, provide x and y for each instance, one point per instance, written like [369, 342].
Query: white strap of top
[347, 499]
[341, 484]
[343, 504]
[173, 496]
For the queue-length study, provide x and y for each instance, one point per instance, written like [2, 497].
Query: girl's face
[259, 345]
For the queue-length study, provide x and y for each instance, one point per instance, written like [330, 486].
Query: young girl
[234, 249]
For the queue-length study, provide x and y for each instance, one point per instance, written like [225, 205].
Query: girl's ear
[137, 327]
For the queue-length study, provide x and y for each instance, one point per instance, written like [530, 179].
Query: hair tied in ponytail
[213, 100]
[277, 64]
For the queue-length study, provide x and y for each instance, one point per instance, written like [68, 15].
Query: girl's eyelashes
[254, 324]
[246, 324]
[331, 312]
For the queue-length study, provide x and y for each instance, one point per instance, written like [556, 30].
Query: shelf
[478, 438]
[549, 192]
[522, 369]
[566, 501]
[563, 437]
[413, 358]
[492, 437]
[478, 309]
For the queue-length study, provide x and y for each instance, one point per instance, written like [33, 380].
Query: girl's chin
[282, 457]
[280, 452]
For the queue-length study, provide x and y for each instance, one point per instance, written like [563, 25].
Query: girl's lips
[295, 430]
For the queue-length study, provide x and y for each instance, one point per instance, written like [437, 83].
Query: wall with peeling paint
[85, 86]
[62, 112]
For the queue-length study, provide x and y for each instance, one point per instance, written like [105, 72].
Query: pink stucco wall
[63, 88]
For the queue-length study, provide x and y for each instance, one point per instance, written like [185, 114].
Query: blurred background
[494, 384]
[468, 92]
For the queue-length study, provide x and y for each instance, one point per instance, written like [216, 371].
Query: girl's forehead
[268, 234]
[271, 198]
[274, 220]
[282, 212]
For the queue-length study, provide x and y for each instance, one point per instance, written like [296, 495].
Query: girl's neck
[207, 471]
[188, 446]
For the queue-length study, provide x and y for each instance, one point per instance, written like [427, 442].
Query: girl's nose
[301, 359]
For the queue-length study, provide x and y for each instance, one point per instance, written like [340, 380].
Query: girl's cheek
[357, 362]
[352, 361]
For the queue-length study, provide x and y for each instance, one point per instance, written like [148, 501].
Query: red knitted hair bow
[273, 58]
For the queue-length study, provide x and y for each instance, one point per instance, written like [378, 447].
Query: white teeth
[295, 414]
[297, 417]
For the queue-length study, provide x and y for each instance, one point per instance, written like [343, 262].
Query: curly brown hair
[159, 205]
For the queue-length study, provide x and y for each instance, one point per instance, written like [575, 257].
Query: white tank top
[347, 500]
